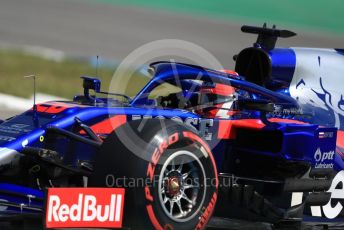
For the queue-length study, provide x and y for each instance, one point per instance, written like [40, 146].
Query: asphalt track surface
[86, 29]
[6, 113]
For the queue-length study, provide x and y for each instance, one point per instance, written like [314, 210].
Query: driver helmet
[217, 99]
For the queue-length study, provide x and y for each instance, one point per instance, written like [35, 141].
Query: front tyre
[178, 170]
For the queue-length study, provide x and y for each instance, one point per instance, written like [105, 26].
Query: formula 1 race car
[216, 144]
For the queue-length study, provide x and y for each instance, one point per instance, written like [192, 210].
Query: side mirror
[90, 83]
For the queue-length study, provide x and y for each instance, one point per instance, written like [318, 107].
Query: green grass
[312, 15]
[55, 78]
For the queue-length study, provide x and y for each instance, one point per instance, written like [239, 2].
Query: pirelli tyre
[168, 172]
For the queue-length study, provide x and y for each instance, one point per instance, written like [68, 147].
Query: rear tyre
[168, 171]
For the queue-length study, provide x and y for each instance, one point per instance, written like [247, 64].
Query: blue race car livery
[217, 144]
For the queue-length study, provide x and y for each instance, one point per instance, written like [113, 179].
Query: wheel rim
[182, 184]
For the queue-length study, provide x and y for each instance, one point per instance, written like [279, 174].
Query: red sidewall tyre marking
[196, 138]
[152, 217]
[151, 169]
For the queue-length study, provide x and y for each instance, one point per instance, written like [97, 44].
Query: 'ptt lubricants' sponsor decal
[323, 159]
[84, 207]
